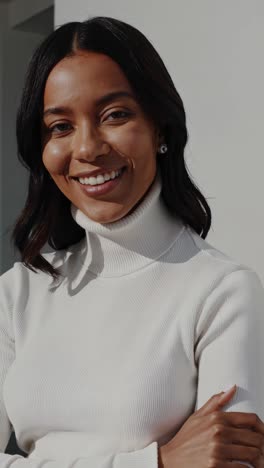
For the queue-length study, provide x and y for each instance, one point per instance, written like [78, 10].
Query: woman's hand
[211, 439]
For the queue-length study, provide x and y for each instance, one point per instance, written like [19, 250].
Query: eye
[118, 114]
[59, 128]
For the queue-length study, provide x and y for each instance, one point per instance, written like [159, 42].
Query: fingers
[239, 436]
[238, 452]
[233, 465]
[238, 419]
[216, 402]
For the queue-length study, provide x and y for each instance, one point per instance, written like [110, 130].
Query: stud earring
[163, 148]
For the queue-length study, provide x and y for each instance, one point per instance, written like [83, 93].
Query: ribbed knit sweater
[147, 322]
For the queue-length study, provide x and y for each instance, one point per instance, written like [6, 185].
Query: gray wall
[213, 51]
[16, 47]
[3, 14]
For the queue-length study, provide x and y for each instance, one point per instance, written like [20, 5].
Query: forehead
[86, 72]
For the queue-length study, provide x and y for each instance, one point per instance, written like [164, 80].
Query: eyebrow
[107, 98]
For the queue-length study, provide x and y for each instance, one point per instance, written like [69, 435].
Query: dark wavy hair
[46, 216]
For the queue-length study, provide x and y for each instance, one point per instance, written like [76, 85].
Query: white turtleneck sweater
[147, 323]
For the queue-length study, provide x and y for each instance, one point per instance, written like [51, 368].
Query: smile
[101, 186]
[100, 179]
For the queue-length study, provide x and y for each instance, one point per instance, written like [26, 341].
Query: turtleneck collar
[129, 244]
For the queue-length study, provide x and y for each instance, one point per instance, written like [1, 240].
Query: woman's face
[86, 130]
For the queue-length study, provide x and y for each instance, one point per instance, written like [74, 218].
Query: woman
[115, 347]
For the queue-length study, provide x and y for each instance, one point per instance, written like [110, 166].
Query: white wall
[213, 51]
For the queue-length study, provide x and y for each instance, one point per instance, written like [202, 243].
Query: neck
[131, 243]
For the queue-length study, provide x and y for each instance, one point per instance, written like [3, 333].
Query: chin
[109, 213]
[105, 218]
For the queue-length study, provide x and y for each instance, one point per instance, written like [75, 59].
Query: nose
[87, 143]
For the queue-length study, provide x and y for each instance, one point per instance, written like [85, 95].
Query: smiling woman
[69, 125]
[97, 129]
[121, 339]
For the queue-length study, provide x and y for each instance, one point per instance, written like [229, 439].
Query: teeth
[100, 179]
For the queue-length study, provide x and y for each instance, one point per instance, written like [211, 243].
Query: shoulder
[205, 254]
[223, 272]
[206, 268]
[19, 281]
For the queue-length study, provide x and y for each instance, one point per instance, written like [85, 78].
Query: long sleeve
[229, 345]
[7, 356]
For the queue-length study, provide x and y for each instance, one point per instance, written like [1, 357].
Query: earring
[163, 148]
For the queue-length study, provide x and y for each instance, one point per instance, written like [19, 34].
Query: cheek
[54, 156]
[133, 141]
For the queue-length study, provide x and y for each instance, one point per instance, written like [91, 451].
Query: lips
[101, 189]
